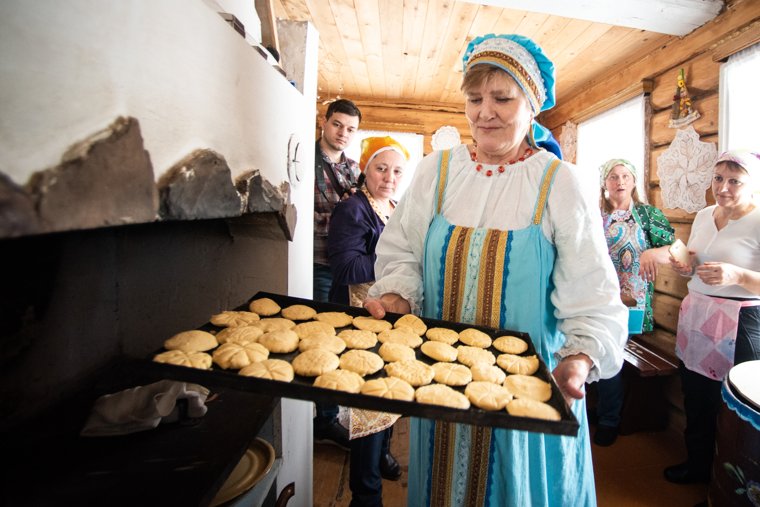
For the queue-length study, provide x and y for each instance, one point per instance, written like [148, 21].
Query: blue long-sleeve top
[351, 240]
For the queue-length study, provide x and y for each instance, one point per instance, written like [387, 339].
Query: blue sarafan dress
[497, 278]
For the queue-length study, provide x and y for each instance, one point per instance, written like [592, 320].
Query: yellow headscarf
[373, 146]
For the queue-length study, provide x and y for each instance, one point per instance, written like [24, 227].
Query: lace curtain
[739, 108]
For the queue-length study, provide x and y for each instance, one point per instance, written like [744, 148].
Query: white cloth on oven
[143, 408]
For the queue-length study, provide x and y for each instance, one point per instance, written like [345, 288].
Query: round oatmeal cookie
[452, 374]
[487, 373]
[413, 371]
[298, 312]
[527, 365]
[510, 344]
[264, 306]
[439, 351]
[371, 324]
[340, 380]
[526, 386]
[324, 341]
[487, 395]
[239, 355]
[475, 338]
[402, 335]
[199, 360]
[274, 324]
[412, 322]
[358, 338]
[191, 341]
[315, 362]
[439, 394]
[230, 318]
[442, 334]
[391, 352]
[272, 369]
[281, 341]
[526, 407]
[470, 355]
[335, 319]
[241, 334]
[314, 327]
[389, 387]
[362, 362]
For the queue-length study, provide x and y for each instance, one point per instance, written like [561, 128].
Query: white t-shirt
[737, 243]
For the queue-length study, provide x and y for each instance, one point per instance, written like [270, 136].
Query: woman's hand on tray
[388, 302]
[570, 375]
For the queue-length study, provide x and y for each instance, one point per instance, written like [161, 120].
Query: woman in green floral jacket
[638, 236]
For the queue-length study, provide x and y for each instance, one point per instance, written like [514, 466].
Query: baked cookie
[412, 322]
[525, 386]
[274, 324]
[358, 338]
[340, 380]
[470, 355]
[475, 338]
[526, 407]
[191, 341]
[452, 374]
[371, 324]
[391, 352]
[439, 351]
[487, 373]
[402, 335]
[311, 328]
[487, 395]
[232, 318]
[282, 341]
[527, 365]
[510, 344]
[413, 371]
[324, 341]
[315, 362]
[389, 387]
[441, 334]
[298, 312]
[264, 306]
[335, 319]
[181, 358]
[239, 355]
[362, 362]
[272, 369]
[439, 394]
[240, 334]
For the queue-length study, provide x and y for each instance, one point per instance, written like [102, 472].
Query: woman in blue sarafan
[497, 233]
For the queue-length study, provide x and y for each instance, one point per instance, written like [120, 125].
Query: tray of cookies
[325, 352]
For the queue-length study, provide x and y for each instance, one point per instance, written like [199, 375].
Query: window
[739, 109]
[412, 142]
[616, 133]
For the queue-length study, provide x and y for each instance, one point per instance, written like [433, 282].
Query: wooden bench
[645, 371]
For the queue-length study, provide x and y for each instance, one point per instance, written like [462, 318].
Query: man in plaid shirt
[335, 179]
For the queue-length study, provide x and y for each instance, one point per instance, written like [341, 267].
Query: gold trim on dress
[544, 193]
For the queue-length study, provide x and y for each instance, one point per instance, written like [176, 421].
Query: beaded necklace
[501, 167]
[384, 218]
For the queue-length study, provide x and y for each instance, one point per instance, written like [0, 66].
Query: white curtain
[739, 108]
[615, 133]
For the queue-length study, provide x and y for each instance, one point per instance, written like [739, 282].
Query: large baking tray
[302, 387]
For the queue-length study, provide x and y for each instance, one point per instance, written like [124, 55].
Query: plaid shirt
[347, 173]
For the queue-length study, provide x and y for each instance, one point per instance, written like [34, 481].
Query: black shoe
[682, 474]
[332, 433]
[605, 435]
[389, 467]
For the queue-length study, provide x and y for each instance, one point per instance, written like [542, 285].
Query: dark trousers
[325, 414]
[701, 395]
[364, 477]
[610, 400]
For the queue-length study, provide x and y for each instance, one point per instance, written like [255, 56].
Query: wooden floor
[628, 473]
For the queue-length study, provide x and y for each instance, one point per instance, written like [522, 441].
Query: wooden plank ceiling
[410, 51]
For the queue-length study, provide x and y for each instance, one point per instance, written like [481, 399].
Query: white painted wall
[68, 69]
